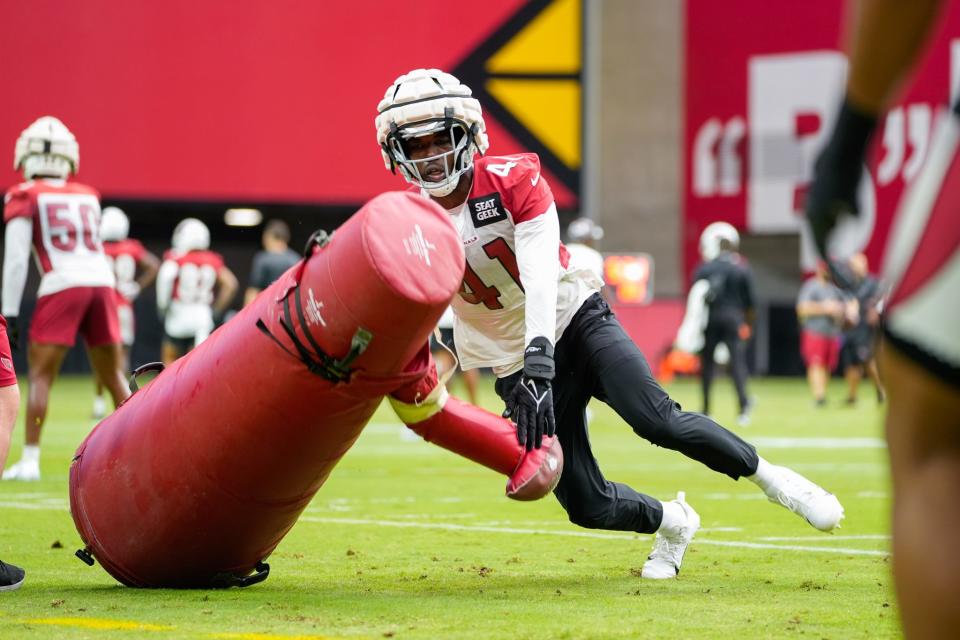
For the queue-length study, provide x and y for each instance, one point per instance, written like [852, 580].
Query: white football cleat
[807, 499]
[670, 545]
[99, 408]
[26, 470]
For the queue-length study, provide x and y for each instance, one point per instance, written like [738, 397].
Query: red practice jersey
[489, 328]
[197, 273]
[124, 256]
[66, 238]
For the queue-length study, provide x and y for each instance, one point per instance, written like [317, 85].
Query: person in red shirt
[11, 577]
[60, 219]
[127, 256]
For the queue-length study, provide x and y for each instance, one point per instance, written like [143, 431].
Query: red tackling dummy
[197, 477]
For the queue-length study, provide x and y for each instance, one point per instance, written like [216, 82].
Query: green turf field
[408, 541]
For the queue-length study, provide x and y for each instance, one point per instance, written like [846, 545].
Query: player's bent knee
[589, 514]
[658, 431]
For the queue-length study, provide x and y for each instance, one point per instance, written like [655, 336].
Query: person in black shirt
[730, 302]
[273, 261]
[857, 353]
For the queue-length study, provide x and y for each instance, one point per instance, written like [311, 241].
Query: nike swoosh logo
[535, 179]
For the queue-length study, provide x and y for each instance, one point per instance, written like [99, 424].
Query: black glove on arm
[837, 173]
[13, 332]
[530, 404]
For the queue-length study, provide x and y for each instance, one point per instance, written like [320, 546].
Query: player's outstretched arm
[476, 434]
[888, 37]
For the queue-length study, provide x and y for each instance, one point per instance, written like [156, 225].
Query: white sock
[765, 476]
[674, 517]
[31, 453]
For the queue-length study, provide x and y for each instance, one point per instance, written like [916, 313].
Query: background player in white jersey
[544, 328]
[188, 277]
[920, 351]
[61, 220]
[126, 256]
[583, 234]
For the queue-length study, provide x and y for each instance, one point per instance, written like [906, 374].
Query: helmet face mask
[47, 149]
[456, 161]
[430, 102]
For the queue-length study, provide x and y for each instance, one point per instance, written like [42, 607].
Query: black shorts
[182, 345]
[857, 349]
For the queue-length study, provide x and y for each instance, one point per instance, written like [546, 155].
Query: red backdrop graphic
[763, 80]
[239, 101]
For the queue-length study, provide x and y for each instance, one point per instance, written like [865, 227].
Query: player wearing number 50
[60, 219]
[542, 325]
[188, 277]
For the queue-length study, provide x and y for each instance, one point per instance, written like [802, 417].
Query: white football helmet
[584, 230]
[191, 235]
[427, 101]
[46, 148]
[114, 224]
[711, 237]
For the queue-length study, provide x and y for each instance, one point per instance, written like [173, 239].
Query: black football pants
[725, 329]
[596, 358]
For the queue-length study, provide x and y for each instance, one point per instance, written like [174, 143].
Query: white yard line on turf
[582, 534]
[570, 534]
[767, 442]
[775, 442]
[37, 506]
[880, 536]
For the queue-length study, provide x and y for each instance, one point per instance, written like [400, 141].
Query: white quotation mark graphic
[906, 127]
[717, 166]
[418, 245]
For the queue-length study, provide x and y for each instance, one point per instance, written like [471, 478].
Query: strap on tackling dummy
[317, 361]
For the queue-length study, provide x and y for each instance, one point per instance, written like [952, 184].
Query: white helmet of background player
[46, 148]
[114, 224]
[584, 231]
[711, 237]
[191, 235]
[427, 101]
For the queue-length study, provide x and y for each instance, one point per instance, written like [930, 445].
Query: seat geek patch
[486, 210]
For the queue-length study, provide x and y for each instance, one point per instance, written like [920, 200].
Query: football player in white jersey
[919, 354]
[61, 220]
[127, 257]
[583, 234]
[540, 323]
[185, 289]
